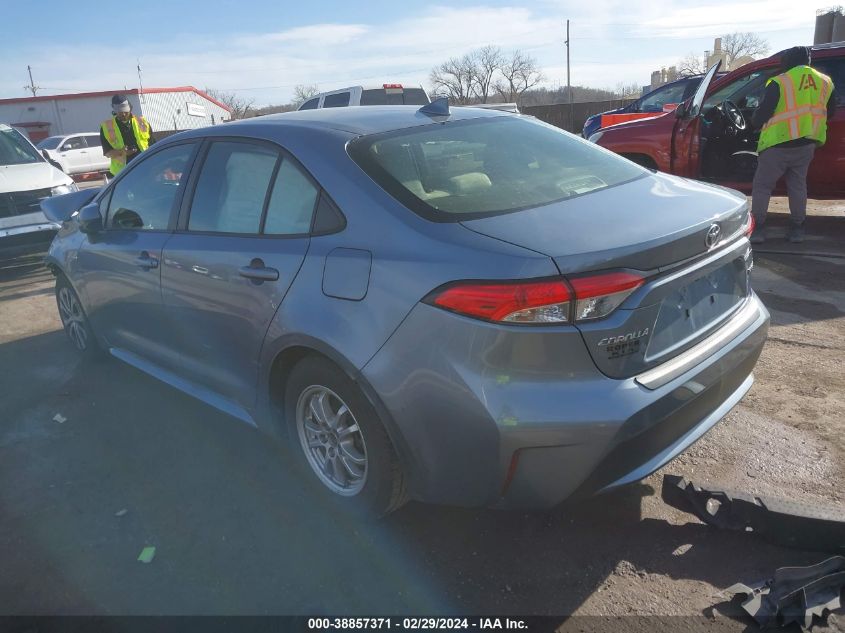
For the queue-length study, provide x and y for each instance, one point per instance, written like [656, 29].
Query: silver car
[461, 307]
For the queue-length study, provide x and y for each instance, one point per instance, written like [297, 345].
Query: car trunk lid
[694, 279]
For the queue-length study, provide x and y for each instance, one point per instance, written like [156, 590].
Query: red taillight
[509, 302]
[387, 86]
[599, 295]
[752, 223]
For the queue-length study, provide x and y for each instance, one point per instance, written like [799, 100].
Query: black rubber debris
[784, 522]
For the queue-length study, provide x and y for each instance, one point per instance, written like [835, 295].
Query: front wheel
[74, 320]
[340, 437]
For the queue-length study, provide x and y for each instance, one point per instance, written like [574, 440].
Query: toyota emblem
[713, 235]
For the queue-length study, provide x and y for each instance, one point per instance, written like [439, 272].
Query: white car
[75, 153]
[26, 178]
[385, 94]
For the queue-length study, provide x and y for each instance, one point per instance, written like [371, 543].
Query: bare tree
[519, 73]
[240, 106]
[455, 79]
[628, 90]
[692, 64]
[485, 62]
[743, 44]
[302, 93]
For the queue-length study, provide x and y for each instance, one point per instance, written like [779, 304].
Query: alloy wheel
[73, 319]
[332, 440]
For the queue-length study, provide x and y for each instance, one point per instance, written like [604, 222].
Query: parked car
[654, 102]
[464, 307]
[708, 137]
[386, 94]
[25, 179]
[75, 153]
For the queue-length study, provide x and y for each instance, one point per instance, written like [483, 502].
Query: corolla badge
[713, 235]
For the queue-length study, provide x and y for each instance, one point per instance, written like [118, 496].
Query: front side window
[480, 167]
[144, 198]
[835, 69]
[745, 92]
[232, 188]
[74, 142]
[16, 150]
[311, 104]
[655, 101]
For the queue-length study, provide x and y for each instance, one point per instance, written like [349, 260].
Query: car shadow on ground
[237, 529]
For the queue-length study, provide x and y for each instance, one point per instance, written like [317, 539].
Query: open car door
[686, 136]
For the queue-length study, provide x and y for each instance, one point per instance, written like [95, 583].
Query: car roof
[363, 120]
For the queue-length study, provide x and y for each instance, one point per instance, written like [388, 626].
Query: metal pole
[568, 82]
[31, 87]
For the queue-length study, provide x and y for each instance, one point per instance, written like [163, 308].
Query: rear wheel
[341, 439]
[74, 320]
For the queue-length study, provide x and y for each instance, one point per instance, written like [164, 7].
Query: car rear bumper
[520, 417]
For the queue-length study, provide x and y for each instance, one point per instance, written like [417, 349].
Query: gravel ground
[235, 532]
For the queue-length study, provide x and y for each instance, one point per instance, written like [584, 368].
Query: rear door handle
[259, 274]
[145, 261]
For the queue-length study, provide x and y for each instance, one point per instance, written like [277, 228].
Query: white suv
[75, 153]
[26, 178]
[386, 94]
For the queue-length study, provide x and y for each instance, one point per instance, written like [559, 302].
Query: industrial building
[167, 110]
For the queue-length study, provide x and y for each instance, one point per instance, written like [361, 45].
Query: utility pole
[140, 83]
[31, 87]
[568, 82]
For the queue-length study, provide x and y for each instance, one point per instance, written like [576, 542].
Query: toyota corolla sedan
[461, 307]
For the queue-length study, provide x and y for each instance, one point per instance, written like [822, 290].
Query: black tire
[382, 488]
[75, 321]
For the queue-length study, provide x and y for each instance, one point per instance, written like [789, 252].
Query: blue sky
[262, 49]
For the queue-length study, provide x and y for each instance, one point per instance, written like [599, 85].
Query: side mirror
[89, 219]
[681, 110]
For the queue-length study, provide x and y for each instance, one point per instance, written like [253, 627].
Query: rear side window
[291, 203]
[93, 140]
[381, 96]
[480, 167]
[232, 188]
[143, 199]
[339, 100]
[311, 104]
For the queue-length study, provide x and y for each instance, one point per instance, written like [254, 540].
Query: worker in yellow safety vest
[124, 135]
[793, 118]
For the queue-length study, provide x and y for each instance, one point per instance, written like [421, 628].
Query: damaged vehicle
[460, 306]
[709, 136]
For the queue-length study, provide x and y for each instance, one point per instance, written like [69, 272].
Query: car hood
[652, 222]
[31, 176]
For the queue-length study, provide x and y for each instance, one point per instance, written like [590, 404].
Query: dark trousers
[792, 164]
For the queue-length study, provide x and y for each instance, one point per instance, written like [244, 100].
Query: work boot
[759, 235]
[796, 233]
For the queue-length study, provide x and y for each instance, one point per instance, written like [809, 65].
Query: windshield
[481, 167]
[16, 150]
[51, 142]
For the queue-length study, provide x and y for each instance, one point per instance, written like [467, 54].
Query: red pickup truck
[709, 136]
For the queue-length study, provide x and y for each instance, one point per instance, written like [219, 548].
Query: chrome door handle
[146, 262]
[259, 274]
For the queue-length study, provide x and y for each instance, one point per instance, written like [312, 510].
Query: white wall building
[167, 109]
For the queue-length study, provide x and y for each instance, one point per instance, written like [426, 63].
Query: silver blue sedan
[462, 307]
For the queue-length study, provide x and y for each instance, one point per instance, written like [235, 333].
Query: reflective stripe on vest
[801, 111]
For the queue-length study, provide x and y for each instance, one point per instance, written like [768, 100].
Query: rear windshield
[50, 143]
[16, 150]
[481, 167]
[381, 96]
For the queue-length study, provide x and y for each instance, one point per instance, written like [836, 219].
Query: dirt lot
[235, 532]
